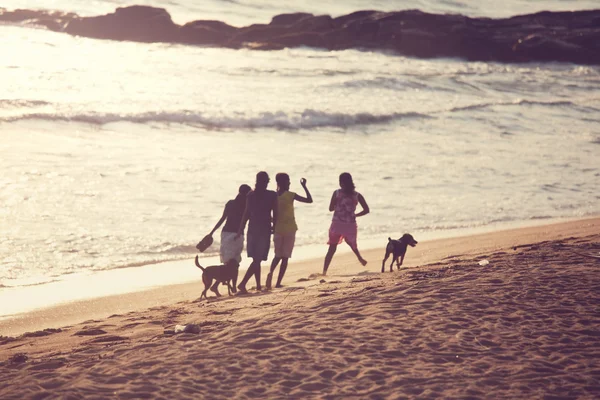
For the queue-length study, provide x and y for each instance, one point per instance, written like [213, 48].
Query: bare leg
[360, 259]
[270, 275]
[275, 263]
[284, 264]
[257, 275]
[251, 271]
[329, 257]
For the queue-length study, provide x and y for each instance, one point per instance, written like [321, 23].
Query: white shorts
[231, 248]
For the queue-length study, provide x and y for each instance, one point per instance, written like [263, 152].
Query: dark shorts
[258, 246]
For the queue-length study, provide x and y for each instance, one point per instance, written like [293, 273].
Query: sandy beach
[508, 314]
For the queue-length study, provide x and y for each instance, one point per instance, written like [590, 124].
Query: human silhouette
[343, 224]
[232, 244]
[261, 214]
[285, 229]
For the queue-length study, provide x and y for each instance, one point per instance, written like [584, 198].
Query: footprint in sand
[268, 304]
[110, 338]
[324, 294]
[18, 358]
[6, 339]
[90, 332]
[131, 325]
[224, 312]
[45, 332]
[48, 365]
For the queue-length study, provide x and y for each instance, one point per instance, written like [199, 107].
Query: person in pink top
[343, 224]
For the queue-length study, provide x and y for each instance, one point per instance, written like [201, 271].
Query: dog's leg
[401, 261]
[207, 282]
[387, 254]
[215, 288]
[394, 258]
[234, 281]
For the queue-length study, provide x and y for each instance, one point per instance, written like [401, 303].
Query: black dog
[398, 249]
[226, 274]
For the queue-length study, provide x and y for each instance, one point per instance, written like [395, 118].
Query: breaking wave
[308, 119]
[7, 103]
[560, 103]
[280, 120]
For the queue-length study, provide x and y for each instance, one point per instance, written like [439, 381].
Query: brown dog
[398, 250]
[226, 274]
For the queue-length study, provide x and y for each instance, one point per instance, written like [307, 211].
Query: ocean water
[117, 154]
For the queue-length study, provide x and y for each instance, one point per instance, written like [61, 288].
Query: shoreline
[118, 281]
[521, 325]
[344, 267]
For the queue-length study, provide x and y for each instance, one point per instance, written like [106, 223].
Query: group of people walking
[272, 213]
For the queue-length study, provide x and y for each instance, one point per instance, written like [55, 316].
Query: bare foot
[363, 261]
[242, 289]
[269, 281]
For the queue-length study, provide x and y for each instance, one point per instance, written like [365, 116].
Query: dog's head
[408, 239]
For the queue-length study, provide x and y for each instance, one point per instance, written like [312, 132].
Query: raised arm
[308, 198]
[223, 218]
[364, 205]
[332, 202]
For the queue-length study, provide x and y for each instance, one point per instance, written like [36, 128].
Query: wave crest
[6, 103]
[308, 119]
[522, 102]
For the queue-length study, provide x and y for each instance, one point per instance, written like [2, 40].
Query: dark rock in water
[211, 33]
[543, 37]
[259, 33]
[20, 15]
[318, 24]
[307, 39]
[355, 16]
[544, 48]
[135, 23]
[54, 21]
[289, 19]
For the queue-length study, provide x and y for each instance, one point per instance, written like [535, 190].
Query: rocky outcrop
[544, 36]
[135, 23]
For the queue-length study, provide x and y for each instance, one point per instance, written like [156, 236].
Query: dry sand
[527, 325]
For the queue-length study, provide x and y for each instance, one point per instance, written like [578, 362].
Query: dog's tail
[389, 239]
[198, 264]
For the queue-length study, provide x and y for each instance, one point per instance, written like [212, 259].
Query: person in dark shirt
[232, 244]
[261, 214]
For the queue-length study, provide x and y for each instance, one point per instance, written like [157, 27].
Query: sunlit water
[118, 154]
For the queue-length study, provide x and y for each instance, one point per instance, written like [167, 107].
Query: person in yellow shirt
[285, 226]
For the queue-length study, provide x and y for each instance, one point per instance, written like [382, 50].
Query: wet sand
[524, 324]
